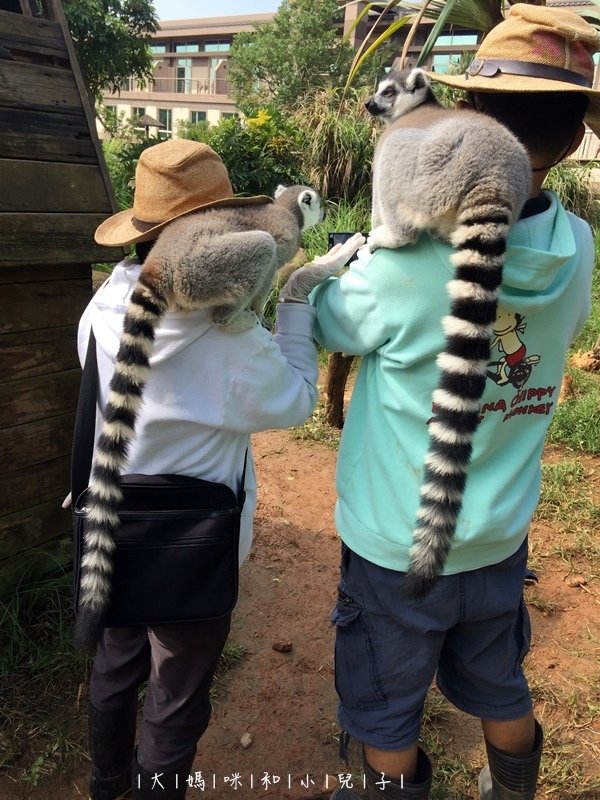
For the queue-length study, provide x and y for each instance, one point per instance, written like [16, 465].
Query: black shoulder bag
[176, 555]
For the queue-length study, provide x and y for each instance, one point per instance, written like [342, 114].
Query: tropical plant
[340, 140]
[478, 15]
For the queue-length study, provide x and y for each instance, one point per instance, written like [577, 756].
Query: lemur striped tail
[480, 242]
[145, 310]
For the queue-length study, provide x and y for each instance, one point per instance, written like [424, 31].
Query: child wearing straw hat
[534, 73]
[208, 391]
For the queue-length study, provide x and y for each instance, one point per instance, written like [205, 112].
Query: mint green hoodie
[388, 308]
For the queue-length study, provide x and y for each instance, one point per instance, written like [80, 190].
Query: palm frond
[480, 15]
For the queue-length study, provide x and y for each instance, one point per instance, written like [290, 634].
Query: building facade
[190, 73]
[190, 81]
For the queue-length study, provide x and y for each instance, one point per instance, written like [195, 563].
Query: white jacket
[207, 390]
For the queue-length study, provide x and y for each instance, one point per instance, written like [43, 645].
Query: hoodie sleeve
[352, 309]
[278, 387]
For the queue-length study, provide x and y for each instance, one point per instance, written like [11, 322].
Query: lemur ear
[416, 80]
[279, 190]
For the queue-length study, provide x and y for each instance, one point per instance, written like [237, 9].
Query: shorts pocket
[357, 679]
[523, 635]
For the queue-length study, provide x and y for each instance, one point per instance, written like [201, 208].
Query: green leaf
[362, 56]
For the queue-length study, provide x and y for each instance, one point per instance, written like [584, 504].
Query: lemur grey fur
[223, 259]
[464, 177]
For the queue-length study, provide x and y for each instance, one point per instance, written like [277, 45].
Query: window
[457, 40]
[197, 116]
[165, 117]
[158, 48]
[217, 45]
[229, 115]
[184, 73]
[138, 111]
[187, 47]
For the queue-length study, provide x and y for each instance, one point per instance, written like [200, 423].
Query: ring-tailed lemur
[464, 177]
[223, 259]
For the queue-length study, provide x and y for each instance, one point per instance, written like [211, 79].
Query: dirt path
[286, 700]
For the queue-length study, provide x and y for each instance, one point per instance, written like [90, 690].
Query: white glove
[301, 282]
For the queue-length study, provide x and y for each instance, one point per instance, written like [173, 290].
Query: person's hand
[301, 282]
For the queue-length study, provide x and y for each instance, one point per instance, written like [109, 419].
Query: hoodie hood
[176, 331]
[539, 256]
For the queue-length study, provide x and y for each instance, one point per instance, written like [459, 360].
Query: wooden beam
[45, 136]
[37, 398]
[52, 187]
[27, 34]
[34, 535]
[35, 484]
[41, 273]
[38, 87]
[49, 304]
[52, 239]
[36, 442]
[26, 354]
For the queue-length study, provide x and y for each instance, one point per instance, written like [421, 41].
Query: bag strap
[85, 423]
[85, 429]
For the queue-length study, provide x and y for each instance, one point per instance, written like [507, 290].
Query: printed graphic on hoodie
[513, 369]
[514, 366]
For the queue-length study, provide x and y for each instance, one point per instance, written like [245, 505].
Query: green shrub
[259, 152]
[196, 131]
[340, 141]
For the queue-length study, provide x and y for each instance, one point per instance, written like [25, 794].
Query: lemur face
[312, 209]
[398, 93]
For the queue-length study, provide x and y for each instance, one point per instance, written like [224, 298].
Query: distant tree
[297, 53]
[111, 39]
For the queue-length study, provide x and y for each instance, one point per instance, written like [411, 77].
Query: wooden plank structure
[54, 191]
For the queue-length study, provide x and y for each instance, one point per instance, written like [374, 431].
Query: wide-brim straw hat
[173, 178]
[535, 49]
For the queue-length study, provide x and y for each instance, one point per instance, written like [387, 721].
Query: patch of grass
[572, 182]
[558, 482]
[42, 727]
[591, 330]
[562, 773]
[232, 654]
[41, 677]
[317, 429]
[546, 607]
[577, 421]
[569, 499]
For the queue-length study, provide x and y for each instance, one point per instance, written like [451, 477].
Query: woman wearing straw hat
[534, 73]
[208, 391]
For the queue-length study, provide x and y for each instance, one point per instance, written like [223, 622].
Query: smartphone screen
[339, 237]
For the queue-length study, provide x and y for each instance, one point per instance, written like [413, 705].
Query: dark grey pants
[178, 662]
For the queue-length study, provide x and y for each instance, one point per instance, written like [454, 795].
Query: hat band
[490, 67]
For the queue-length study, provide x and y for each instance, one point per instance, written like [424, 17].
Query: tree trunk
[337, 374]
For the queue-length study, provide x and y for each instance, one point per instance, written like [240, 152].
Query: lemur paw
[243, 320]
[382, 236]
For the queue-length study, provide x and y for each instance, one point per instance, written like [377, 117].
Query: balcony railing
[176, 86]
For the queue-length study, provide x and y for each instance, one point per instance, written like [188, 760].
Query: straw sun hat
[535, 49]
[172, 178]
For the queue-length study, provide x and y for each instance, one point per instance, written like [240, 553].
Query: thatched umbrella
[146, 121]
